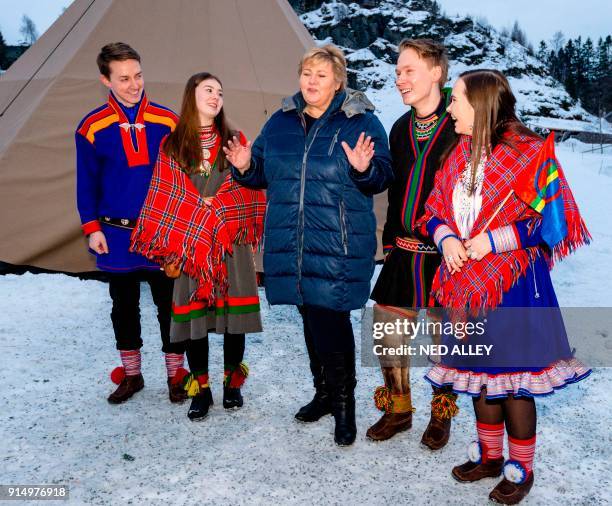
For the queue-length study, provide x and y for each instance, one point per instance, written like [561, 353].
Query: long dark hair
[184, 143]
[489, 93]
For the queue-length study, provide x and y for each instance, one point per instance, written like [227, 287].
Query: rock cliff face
[370, 30]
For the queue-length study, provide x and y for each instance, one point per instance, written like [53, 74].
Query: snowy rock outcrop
[370, 30]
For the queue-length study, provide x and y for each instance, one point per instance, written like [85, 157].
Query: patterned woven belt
[415, 246]
[119, 222]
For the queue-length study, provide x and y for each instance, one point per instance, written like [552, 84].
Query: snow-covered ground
[57, 427]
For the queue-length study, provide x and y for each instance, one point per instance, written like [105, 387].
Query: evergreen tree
[435, 9]
[570, 68]
[3, 62]
[554, 65]
[561, 65]
[577, 60]
[543, 52]
[603, 58]
[589, 60]
[589, 91]
[518, 35]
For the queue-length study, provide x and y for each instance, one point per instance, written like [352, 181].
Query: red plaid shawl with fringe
[481, 284]
[176, 225]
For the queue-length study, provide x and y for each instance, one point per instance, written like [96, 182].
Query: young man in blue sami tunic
[117, 146]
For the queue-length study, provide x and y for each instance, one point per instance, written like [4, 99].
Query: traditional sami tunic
[236, 312]
[417, 145]
[530, 353]
[117, 147]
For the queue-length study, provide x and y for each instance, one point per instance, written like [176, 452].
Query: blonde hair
[431, 51]
[328, 53]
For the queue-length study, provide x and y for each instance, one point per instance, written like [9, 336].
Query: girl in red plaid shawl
[494, 257]
[202, 226]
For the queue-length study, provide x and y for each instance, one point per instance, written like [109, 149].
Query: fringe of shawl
[235, 216]
[447, 294]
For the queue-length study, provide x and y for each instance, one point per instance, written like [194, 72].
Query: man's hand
[97, 242]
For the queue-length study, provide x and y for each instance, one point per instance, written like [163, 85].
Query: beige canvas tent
[254, 47]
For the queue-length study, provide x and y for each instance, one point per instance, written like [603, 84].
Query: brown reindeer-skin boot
[443, 409]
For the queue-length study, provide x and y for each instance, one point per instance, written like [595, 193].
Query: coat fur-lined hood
[351, 102]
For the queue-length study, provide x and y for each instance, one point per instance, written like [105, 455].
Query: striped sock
[523, 451]
[491, 437]
[173, 362]
[131, 361]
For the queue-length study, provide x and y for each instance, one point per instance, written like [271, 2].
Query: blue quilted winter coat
[320, 228]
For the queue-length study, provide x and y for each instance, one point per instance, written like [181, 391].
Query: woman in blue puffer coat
[321, 158]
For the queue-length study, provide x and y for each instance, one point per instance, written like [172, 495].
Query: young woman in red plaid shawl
[494, 257]
[194, 149]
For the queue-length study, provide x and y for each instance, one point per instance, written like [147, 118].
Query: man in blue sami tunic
[117, 146]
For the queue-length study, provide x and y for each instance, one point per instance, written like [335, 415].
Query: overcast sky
[539, 18]
[42, 12]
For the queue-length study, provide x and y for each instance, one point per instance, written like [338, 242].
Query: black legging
[519, 414]
[124, 290]
[197, 352]
[327, 331]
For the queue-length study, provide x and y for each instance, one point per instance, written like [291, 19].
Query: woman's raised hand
[361, 155]
[237, 154]
[454, 254]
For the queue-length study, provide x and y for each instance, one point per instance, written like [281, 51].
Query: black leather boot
[232, 398]
[200, 404]
[340, 375]
[320, 404]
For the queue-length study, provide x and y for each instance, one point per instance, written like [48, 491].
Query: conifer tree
[3, 62]
[542, 52]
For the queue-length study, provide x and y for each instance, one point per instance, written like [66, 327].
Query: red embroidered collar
[136, 154]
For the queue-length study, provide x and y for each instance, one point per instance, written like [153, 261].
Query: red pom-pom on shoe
[179, 376]
[117, 375]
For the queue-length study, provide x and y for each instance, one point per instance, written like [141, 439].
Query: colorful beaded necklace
[425, 126]
[210, 142]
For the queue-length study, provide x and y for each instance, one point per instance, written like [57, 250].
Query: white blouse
[466, 207]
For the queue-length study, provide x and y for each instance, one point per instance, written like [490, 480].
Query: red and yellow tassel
[193, 384]
[383, 399]
[235, 378]
[444, 405]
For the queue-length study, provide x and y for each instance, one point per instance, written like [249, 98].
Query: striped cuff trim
[441, 233]
[504, 239]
